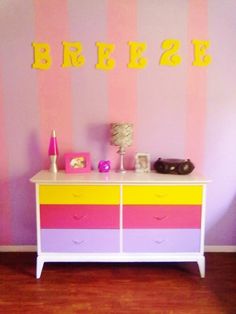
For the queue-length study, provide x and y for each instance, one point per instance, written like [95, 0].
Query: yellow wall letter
[136, 61]
[200, 56]
[72, 54]
[42, 58]
[169, 57]
[104, 60]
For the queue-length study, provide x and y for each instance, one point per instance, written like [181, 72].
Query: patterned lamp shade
[121, 134]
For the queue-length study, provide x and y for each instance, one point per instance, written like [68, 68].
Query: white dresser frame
[130, 178]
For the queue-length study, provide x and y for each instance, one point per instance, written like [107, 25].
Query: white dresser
[113, 217]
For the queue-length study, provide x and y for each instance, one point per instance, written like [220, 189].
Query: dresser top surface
[112, 177]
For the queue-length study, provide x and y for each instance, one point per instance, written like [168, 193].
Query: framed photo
[77, 162]
[142, 162]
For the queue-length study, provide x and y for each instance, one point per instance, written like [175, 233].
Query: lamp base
[121, 151]
[53, 164]
[121, 171]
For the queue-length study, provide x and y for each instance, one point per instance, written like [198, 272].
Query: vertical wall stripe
[89, 85]
[196, 86]
[161, 89]
[220, 153]
[122, 82]
[54, 84]
[5, 205]
[20, 115]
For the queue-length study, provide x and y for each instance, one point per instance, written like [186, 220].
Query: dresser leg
[201, 266]
[39, 268]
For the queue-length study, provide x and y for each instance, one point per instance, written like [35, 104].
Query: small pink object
[53, 148]
[104, 165]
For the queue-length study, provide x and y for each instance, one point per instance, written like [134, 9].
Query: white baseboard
[18, 248]
[33, 248]
[220, 248]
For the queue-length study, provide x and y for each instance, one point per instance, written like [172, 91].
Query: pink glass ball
[104, 165]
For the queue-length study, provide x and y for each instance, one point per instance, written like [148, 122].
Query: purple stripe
[79, 241]
[20, 107]
[162, 241]
[89, 86]
[161, 89]
[220, 148]
[5, 206]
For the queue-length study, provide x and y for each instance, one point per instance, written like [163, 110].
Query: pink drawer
[79, 216]
[161, 241]
[162, 216]
[79, 241]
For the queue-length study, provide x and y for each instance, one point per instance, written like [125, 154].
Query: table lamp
[122, 136]
[53, 152]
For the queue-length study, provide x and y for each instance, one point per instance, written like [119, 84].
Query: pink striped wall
[54, 86]
[181, 111]
[196, 84]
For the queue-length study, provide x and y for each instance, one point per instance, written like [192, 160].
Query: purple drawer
[79, 241]
[162, 240]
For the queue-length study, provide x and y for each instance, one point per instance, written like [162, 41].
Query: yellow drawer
[74, 194]
[163, 194]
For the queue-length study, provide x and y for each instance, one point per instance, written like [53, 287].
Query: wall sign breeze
[73, 55]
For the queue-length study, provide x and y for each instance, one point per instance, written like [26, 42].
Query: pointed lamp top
[53, 148]
[53, 134]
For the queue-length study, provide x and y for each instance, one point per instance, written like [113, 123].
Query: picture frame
[142, 163]
[77, 162]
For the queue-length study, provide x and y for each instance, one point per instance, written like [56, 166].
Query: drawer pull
[76, 217]
[76, 242]
[159, 218]
[76, 195]
[159, 241]
[159, 195]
